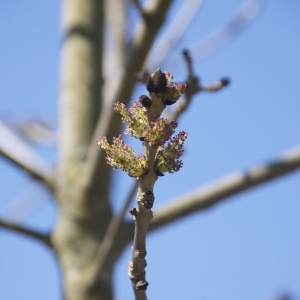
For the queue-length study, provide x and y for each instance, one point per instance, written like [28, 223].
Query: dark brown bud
[141, 285]
[159, 173]
[225, 81]
[145, 101]
[133, 211]
[169, 102]
[148, 204]
[148, 200]
[157, 82]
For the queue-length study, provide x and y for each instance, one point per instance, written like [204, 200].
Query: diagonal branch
[173, 34]
[245, 15]
[230, 185]
[42, 237]
[23, 156]
[219, 38]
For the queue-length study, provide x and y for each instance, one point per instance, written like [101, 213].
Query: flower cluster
[134, 117]
[156, 133]
[159, 132]
[121, 156]
[167, 159]
[173, 90]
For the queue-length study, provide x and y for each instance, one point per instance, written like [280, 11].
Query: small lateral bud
[157, 82]
[225, 81]
[142, 285]
[169, 102]
[159, 173]
[148, 200]
[133, 211]
[145, 101]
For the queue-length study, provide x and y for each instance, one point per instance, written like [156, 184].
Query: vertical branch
[81, 77]
[145, 198]
[161, 154]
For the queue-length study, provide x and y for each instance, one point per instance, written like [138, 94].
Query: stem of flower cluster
[142, 215]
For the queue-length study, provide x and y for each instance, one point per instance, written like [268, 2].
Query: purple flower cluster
[158, 133]
[121, 156]
[167, 159]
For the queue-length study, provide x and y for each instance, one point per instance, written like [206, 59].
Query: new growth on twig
[162, 154]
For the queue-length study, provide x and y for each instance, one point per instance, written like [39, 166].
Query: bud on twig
[157, 82]
[145, 101]
[225, 81]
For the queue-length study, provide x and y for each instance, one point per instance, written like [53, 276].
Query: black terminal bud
[157, 82]
[169, 102]
[225, 81]
[145, 101]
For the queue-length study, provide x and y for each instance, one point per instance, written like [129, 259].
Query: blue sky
[245, 248]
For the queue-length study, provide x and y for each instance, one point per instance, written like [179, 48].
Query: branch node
[141, 254]
[146, 199]
[133, 211]
[142, 285]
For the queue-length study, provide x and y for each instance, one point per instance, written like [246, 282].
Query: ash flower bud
[121, 156]
[167, 159]
[145, 101]
[134, 117]
[174, 92]
[157, 82]
[158, 132]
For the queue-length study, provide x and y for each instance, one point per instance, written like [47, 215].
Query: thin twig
[142, 215]
[23, 156]
[220, 190]
[194, 86]
[42, 237]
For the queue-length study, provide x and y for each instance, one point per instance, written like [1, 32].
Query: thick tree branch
[109, 240]
[23, 156]
[230, 185]
[81, 77]
[80, 98]
[42, 237]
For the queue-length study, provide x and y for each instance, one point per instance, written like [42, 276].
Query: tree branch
[109, 239]
[108, 123]
[194, 86]
[173, 34]
[248, 11]
[230, 185]
[23, 156]
[81, 77]
[219, 38]
[42, 237]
